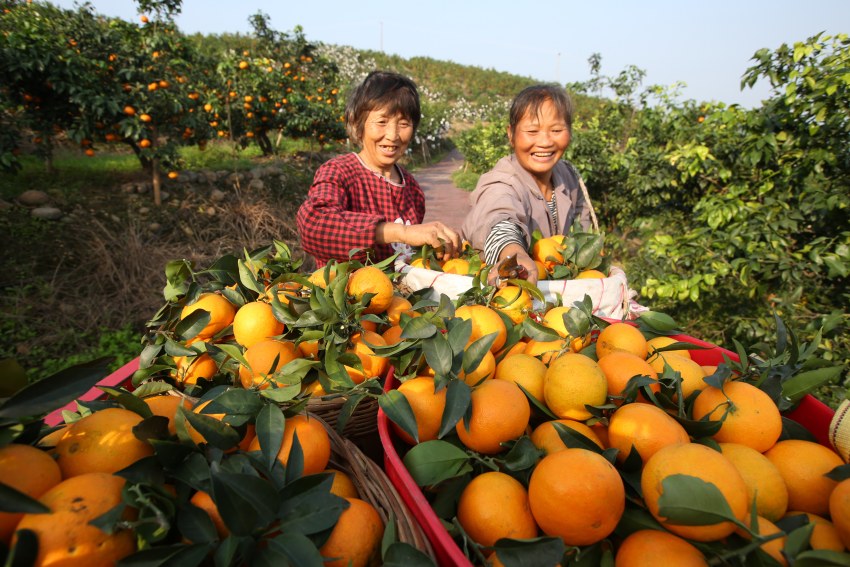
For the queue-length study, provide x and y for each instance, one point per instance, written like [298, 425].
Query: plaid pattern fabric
[345, 204]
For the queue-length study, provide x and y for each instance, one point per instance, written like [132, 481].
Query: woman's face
[539, 140]
[385, 139]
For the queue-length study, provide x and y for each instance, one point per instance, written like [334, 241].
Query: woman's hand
[522, 258]
[445, 241]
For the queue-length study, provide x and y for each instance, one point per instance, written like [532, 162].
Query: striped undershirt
[508, 232]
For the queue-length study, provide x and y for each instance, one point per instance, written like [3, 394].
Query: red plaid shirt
[345, 204]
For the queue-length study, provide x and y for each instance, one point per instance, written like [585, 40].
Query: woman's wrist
[389, 232]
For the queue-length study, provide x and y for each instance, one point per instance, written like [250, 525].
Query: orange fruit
[261, 358]
[500, 413]
[356, 537]
[190, 368]
[750, 417]
[317, 278]
[644, 428]
[546, 438]
[29, 470]
[370, 279]
[220, 309]
[456, 266]
[772, 547]
[839, 510]
[548, 251]
[101, 442]
[342, 485]
[524, 370]
[554, 319]
[485, 321]
[692, 459]
[546, 351]
[373, 364]
[392, 335]
[427, 406]
[824, 534]
[803, 465]
[572, 382]
[284, 291]
[590, 275]
[654, 548]
[65, 536]
[313, 438]
[166, 406]
[494, 505]
[691, 373]
[205, 502]
[619, 367]
[662, 341]
[581, 507]
[397, 306]
[255, 322]
[765, 486]
[484, 371]
[620, 336]
[542, 272]
[513, 301]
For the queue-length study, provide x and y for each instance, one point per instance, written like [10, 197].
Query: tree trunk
[157, 183]
[265, 144]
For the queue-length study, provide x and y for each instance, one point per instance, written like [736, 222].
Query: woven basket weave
[363, 422]
[839, 430]
[375, 487]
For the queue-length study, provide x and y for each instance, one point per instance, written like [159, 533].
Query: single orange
[494, 505]
[582, 507]
[500, 413]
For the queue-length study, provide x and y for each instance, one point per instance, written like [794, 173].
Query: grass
[465, 180]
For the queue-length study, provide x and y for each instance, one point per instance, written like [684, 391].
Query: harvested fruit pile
[541, 435]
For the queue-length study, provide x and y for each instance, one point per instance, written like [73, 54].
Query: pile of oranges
[100, 482]
[621, 446]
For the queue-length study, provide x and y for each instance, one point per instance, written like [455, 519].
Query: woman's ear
[510, 135]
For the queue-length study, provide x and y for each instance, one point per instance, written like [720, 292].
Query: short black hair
[530, 99]
[381, 90]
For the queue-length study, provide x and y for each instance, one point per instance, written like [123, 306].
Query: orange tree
[283, 86]
[735, 207]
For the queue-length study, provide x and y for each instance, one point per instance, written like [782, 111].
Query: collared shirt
[346, 203]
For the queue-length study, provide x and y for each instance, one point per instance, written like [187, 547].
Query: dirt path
[443, 201]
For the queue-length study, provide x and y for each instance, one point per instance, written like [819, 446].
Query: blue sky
[707, 45]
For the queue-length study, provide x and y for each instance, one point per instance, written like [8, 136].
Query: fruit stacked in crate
[576, 439]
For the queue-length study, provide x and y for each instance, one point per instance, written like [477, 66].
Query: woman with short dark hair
[533, 188]
[365, 201]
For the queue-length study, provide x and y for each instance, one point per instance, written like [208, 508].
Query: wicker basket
[363, 422]
[375, 487]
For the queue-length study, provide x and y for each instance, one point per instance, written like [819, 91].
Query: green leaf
[398, 409]
[298, 548]
[796, 387]
[432, 462]
[14, 501]
[245, 502]
[458, 400]
[822, 558]
[309, 507]
[270, 426]
[400, 554]
[55, 391]
[438, 354]
[530, 552]
[418, 328]
[248, 279]
[691, 501]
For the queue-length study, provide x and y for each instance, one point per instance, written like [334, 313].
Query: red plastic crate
[813, 414]
[120, 377]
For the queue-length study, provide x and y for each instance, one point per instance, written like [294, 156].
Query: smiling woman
[533, 188]
[365, 201]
